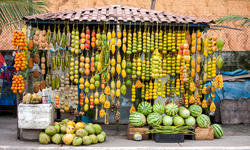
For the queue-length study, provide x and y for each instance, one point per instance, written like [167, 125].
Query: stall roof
[117, 13]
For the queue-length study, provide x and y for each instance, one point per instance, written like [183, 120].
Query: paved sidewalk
[8, 141]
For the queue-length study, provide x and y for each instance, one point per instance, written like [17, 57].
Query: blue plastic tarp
[232, 90]
[237, 72]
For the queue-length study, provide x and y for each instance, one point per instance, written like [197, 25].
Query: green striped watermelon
[137, 119]
[159, 108]
[203, 121]
[171, 109]
[195, 110]
[145, 108]
[154, 119]
[218, 131]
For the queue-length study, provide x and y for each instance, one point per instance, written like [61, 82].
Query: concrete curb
[118, 148]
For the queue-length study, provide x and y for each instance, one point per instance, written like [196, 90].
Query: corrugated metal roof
[118, 13]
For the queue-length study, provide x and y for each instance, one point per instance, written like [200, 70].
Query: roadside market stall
[97, 62]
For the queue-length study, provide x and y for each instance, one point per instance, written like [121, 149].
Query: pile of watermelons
[172, 115]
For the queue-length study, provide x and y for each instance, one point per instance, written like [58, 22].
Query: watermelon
[218, 131]
[203, 121]
[178, 121]
[184, 112]
[145, 108]
[190, 121]
[137, 119]
[171, 109]
[167, 121]
[159, 108]
[154, 119]
[195, 110]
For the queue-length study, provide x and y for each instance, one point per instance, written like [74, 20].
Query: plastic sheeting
[237, 72]
[6, 96]
[232, 91]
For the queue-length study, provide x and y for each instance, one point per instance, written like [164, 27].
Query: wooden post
[153, 4]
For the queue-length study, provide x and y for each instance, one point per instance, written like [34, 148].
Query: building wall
[211, 9]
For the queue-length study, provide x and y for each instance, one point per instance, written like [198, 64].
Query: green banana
[53, 82]
[53, 63]
[66, 59]
[58, 60]
[57, 82]
[54, 37]
[63, 64]
[58, 38]
[63, 39]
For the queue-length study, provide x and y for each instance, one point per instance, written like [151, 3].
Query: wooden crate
[132, 130]
[204, 133]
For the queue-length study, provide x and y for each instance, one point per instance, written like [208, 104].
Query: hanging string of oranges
[19, 40]
[20, 61]
[17, 84]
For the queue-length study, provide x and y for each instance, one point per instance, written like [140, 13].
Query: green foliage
[233, 18]
[12, 11]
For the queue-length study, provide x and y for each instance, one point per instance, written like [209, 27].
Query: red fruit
[88, 31]
[87, 72]
[91, 106]
[83, 35]
[93, 44]
[91, 103]
[186, 52]
[180, 52]
[87, 46]
[92, 69]
[82, 41]
[103, 86]
[93, 34]
[87, 36]
[181, 46]
[87, 41]
[92, 64]
[82, 46]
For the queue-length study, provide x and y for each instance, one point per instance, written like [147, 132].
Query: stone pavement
[236, 137]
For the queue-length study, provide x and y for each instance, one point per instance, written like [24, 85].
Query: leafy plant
[233, 18]
[12, 11]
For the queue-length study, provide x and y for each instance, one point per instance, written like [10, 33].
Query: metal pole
[153, 4]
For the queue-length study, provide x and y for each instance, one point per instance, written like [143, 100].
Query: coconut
[44, 138]
[57, 126]
[77, 141]
[100, 138]
[89, 128]
[67, 139]
[57, 139]
[31, 63]
[93, 138]
[50, 130]
[81, 132]
[98, 128]
[86, 140]
[36, 88]
[36, 74]
[42, 85]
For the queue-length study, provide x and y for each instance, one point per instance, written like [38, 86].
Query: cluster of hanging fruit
[155, 62]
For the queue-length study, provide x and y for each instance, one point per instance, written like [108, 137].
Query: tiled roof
[117, 13]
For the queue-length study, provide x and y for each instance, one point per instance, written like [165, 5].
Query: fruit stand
[92, 62]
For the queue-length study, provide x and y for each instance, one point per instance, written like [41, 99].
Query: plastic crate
[169, 138]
